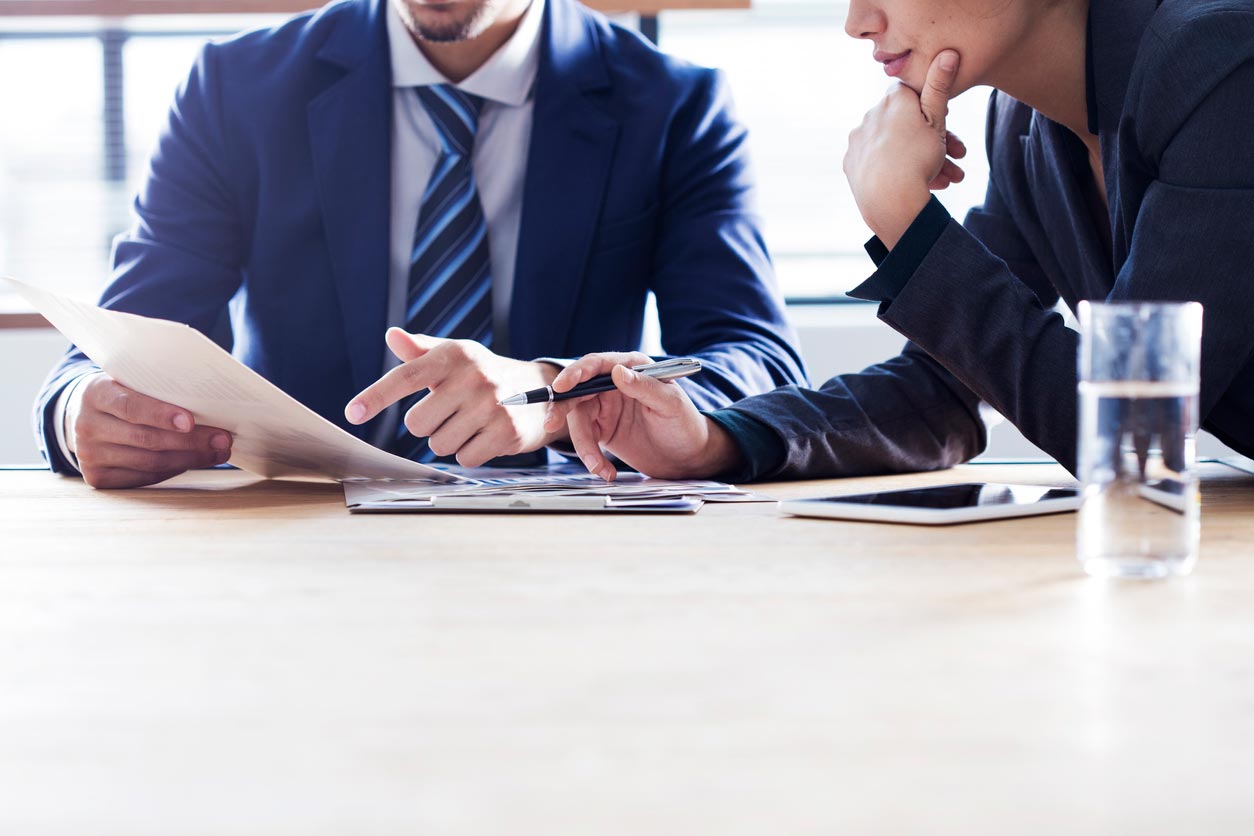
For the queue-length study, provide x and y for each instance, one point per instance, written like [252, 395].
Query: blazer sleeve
[904, 415]
[907, 414]
[181, 258]
[715, 287]
[966, 308]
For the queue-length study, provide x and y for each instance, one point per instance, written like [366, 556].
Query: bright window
[800, 85]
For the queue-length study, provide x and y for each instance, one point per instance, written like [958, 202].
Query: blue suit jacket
[1170, 85]
[269, 191]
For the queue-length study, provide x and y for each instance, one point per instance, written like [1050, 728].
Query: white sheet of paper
[275, 435]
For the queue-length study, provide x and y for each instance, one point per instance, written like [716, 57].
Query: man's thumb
[654, 394]
[937, 89]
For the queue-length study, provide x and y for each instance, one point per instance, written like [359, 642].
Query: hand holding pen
[665, 370]
[650, 424]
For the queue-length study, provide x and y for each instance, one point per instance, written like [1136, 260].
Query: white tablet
[940, 505]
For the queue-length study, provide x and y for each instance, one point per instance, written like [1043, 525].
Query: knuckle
[85, 428]
[504, 436]
[143, 437]
[125, 404]
[409, 374]
[91, 392]
[99, 480]
[418, 425]
[149, 461]
[87, 457]
[99, 389]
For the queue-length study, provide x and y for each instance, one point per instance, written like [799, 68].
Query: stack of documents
[540, 490]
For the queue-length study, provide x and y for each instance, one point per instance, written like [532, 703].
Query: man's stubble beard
[450, 31]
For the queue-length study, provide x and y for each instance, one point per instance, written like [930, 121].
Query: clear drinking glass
[1138, 424]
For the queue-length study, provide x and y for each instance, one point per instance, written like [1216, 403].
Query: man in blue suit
[500, 181]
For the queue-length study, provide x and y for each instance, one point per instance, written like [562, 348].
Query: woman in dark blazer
[1121, 148]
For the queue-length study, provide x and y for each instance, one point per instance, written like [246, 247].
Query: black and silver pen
[665, 370]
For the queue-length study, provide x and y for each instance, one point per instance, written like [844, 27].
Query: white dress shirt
[506, 82]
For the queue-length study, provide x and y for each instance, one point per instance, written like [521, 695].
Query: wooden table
[226, 656]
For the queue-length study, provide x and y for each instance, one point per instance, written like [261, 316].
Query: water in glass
[1140, 514]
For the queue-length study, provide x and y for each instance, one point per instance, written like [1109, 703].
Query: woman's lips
[893, 63]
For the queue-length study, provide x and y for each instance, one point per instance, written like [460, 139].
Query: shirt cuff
[69, 395]
[896, 266]
[762, 448]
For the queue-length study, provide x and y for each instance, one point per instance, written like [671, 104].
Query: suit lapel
[350, 128]
[572, 151]
[1116, 28]
[1059, 196]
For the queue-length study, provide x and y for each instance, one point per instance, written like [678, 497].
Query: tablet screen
[969, 495]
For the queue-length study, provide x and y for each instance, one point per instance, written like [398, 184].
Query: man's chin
[445, 22]
[445, 34]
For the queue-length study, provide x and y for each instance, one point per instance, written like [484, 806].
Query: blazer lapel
[1060, 201]
[350, 131]
[1116, 28]
[572, 151]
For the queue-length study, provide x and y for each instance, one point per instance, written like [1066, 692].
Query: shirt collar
[507, 77]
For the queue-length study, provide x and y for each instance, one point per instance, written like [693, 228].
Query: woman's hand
[900, 152]
[651, 425]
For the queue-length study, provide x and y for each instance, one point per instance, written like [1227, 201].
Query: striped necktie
[450, 272]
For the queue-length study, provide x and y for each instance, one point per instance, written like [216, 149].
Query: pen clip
[673, 363]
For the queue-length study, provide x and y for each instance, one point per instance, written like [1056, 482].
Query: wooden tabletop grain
[221, 655]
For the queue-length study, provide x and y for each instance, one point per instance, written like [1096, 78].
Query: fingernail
[589, 467]
[949, 61]
[605, 475]
[182, 423]
[220, 442]
[356, 412]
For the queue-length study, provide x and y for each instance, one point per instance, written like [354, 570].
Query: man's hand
[900, 152]
[651, 425]
[460, 414]
[125, 440]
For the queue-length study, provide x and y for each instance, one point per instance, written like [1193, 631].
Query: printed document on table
[540, 489]
[275, 435]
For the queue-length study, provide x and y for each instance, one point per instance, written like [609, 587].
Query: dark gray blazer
[1171, 96]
